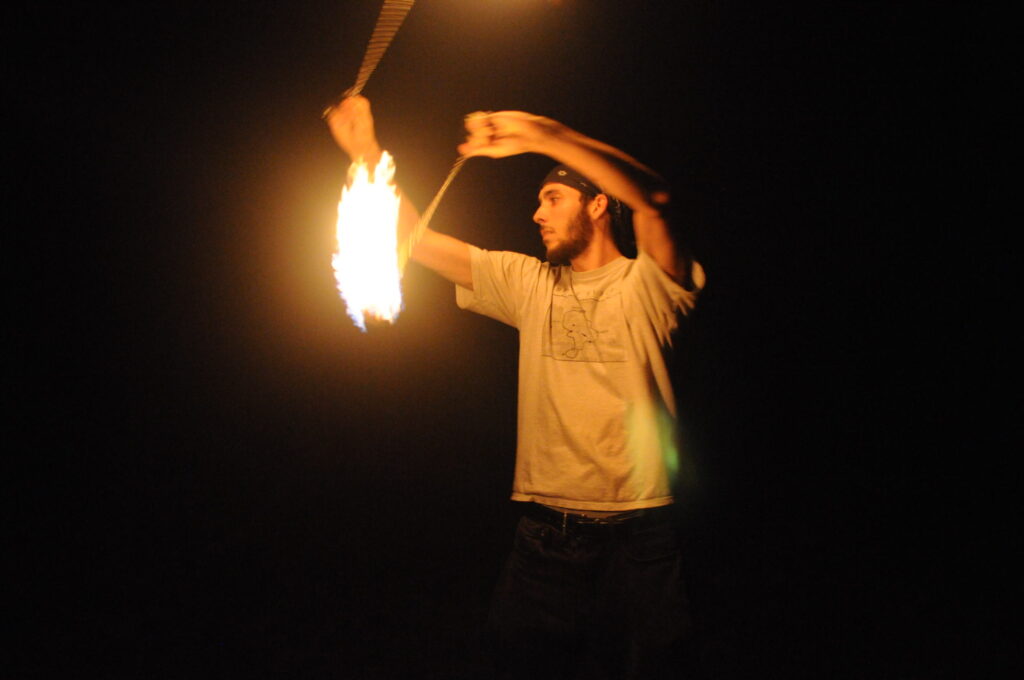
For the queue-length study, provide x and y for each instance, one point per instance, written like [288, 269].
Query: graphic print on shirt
[584, 326]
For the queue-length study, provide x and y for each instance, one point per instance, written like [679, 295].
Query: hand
[507, 133]
[351, 125]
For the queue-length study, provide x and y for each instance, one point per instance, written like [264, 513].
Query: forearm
[631, 182]
[617, 173]
[445, 255]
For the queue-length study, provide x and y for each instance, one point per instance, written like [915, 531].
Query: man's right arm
[445, 255]
[351, 125]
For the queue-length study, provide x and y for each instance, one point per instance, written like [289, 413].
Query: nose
[538, 216]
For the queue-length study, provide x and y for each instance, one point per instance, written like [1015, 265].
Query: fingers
[496, 121]
[356, 104]
[499, 133]
[489, 133]
[481, 133]
[478, 120]
[350, 113]
[351, 125]
[349, 108]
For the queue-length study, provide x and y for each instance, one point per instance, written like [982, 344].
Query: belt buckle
[609, 521]
[620, 518]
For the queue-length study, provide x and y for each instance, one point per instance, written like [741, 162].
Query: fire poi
[366, 265]
[369, 262]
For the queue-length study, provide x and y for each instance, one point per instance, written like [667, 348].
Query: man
[593, 584]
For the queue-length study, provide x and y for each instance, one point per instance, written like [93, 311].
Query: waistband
[570, 521]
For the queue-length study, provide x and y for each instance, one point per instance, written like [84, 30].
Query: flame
[366, 265]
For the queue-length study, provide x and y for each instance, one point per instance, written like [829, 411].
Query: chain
[392, 14]
[417, 232]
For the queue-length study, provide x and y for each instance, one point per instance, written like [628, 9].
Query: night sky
[226, 478]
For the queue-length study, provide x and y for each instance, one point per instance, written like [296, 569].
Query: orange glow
[366, 265]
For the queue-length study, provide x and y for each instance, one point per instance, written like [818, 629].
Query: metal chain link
[392, 14]
[417, 232]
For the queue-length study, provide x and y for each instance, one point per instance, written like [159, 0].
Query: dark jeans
[602, 601]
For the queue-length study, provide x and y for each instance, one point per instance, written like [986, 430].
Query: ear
[598, 206]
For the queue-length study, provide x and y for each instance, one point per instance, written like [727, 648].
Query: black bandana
[563, 174]
[622, 223]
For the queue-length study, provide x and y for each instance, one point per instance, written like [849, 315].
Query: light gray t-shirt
[596, 421]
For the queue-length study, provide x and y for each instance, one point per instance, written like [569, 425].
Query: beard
[581, 231]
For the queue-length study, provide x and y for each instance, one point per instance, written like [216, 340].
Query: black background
[227, 479]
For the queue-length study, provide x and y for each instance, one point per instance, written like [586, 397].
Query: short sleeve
[502, 281]
[658, 298]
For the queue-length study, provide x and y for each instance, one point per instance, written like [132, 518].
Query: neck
[599, 253]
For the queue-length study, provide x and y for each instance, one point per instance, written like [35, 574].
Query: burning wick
[366, 265]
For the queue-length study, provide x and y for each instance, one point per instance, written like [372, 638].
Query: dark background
[227, 479]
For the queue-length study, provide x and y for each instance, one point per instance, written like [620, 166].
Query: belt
[569, 521]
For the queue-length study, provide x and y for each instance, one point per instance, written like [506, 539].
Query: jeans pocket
[651, 543]
[532, 536]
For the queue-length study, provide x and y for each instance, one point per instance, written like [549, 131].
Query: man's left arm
[507, 133]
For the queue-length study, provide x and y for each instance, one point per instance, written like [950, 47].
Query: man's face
[565, 226]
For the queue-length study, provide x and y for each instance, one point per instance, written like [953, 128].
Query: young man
[593, 584]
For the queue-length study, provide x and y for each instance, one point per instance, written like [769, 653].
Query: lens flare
[366, 265]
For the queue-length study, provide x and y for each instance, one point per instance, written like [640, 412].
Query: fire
[366, 265]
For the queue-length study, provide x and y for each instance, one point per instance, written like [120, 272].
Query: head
[573, 211]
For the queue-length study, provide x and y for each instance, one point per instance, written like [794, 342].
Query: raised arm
[506, 133]
[351, 125]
